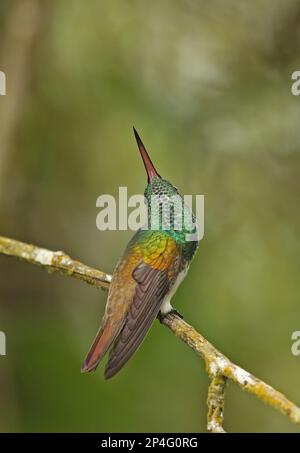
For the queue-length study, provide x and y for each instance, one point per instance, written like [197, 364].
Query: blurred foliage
[207, 84]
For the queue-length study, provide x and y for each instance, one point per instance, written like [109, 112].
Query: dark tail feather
[98, 349]
[121, 352]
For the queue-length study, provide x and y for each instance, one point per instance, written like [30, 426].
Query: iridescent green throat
[167, 211]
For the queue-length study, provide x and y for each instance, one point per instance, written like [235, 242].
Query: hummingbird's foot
[161, 315]
[175, 312]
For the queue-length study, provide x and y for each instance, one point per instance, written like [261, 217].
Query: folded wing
[152, 286]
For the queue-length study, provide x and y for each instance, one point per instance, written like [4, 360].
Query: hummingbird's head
[166, 207]
[157, 186]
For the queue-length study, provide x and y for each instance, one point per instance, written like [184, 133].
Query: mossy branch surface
[215, 404]
[219, 368]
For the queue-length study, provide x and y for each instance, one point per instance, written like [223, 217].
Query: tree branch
[218, 366]
[54, 262]
[215, 403]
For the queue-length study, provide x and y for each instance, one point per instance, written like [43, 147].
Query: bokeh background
[208, 86]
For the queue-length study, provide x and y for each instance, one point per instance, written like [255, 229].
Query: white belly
[166, 306]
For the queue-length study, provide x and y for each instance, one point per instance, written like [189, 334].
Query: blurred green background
[208, 86]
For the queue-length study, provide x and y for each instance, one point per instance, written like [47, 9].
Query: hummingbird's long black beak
[150, 169]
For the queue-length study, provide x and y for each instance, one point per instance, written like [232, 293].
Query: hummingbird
[146, 277]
